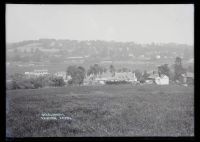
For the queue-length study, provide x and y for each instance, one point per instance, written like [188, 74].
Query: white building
[163, 80]
[61, 74]
[37, 73]
[157, 56]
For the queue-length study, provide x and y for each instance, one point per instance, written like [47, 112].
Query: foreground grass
[122, 110]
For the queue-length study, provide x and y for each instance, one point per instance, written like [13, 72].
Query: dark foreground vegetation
[20, 81]
[111, 110]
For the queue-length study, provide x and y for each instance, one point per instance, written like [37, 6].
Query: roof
[153, 76]
[125, 75]
[164, 76]
[106, 75]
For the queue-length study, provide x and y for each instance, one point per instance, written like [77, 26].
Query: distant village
[154, 77]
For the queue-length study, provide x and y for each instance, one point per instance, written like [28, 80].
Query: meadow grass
[111, 110]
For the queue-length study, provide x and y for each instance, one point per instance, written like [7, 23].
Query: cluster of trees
[178, 70]
[77, 74]
[141, 76]
[96, 69]
[20, 81]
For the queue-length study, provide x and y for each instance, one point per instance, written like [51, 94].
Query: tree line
[20, 81]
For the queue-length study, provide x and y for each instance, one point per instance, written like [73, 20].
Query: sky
[138, 23]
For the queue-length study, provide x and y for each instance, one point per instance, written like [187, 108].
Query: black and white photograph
[99, 70]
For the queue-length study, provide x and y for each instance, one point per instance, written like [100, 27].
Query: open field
[112, 110]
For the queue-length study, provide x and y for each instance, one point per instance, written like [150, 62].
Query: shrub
[21, 82]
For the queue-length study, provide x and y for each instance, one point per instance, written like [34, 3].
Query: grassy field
[113, 110]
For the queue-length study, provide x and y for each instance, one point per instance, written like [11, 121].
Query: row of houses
[116, 77]
[110, 77]
[154, 78]
[37, 73]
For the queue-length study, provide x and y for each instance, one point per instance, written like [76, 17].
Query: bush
[21, 82]
[56, 81]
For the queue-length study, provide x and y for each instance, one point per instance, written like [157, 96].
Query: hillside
[48, 53]
[105, 50]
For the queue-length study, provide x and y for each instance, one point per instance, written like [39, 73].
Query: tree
[71, 70]
[77, 74]
[164, 69]
[57, 81]
[145, 75]
[17, 76]
[138, 75]
[81, 74]
[112, 70]
[95, 69]
[178, 69]
[19, 81]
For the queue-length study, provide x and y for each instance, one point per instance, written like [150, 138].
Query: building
[159, 80]
[162, 80]
[37, 73]
[187, 78]
[105, 76]
[109, 77]
[190, 78]
[125, 76]
[152, 78]
[61, 74]
[89, 79]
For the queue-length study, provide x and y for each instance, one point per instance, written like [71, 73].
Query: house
[125, 76]
[102, 78]
[61, 74]
[182, 79]
[151, 79]
[110, 77]
[189, 78]
[89, 79]
[159, 80]
[105, 76]
[37, 73]
[162, 80]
